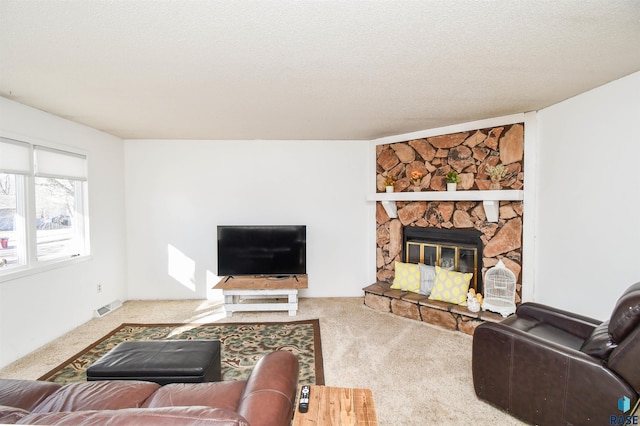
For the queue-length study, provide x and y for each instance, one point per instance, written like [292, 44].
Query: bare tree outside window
[8, 240]
[56, 210]
[5, 184]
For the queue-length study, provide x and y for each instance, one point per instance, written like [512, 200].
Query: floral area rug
[242, 345]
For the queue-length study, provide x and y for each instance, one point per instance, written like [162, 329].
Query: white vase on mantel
[452, 186]
[389, 188]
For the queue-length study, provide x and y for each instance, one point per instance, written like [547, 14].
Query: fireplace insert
[453, 249]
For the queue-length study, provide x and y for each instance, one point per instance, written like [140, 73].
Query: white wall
[588, 199]
[177, 192]
[38, 308]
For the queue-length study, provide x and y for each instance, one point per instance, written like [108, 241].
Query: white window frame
[72, 165]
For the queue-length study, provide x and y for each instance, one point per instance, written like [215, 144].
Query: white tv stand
[239, 291]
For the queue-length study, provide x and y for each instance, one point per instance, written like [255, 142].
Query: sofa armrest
[624, 359]
[536, 380]
[578, 325]
[269, 396]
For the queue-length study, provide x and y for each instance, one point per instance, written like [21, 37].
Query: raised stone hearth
[381, 297]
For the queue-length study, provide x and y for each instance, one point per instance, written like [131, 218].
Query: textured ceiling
[295, 69]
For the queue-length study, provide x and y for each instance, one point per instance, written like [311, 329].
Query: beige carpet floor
[419, 374]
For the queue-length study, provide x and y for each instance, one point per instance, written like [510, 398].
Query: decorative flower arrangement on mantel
[416, 178]
[388, 183]
[496, 174]
[452, 180]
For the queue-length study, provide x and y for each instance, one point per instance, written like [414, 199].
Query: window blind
[59, 164]
[15, 157]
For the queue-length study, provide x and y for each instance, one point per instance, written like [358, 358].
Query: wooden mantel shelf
[490, 199]
[507, 194]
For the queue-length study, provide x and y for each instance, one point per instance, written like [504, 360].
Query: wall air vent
[104, 310]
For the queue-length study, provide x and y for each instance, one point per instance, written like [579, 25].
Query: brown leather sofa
[548, 366]
[266, 398]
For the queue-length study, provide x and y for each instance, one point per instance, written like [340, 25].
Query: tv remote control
[304, 399]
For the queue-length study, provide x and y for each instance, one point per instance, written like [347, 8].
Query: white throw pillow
[427, 277]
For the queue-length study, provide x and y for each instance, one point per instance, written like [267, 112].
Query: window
[42, 205]
[11, 241]
[58, 227]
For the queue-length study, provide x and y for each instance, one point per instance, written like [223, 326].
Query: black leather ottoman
[160, 361]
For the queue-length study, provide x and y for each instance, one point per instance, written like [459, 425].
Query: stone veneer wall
[468, 153]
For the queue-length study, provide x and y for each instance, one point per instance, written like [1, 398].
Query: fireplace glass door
[459, 258]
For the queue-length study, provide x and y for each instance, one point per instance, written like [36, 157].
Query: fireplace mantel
[490, 199]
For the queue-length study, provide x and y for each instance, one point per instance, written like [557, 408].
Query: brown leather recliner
[548, 366]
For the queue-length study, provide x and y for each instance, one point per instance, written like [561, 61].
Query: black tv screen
[275, 250]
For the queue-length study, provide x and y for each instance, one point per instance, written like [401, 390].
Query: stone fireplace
[472, 155]
[469, 153]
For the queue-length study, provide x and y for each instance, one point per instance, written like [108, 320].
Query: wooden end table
[334, 406]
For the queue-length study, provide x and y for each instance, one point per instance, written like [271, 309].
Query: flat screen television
[262, 250]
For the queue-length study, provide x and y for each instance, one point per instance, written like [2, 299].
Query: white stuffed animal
[472, 302]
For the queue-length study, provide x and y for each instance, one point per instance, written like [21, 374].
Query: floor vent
[100, 312]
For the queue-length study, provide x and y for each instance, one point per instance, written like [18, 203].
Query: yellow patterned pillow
[407, 277]
[450, 286]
